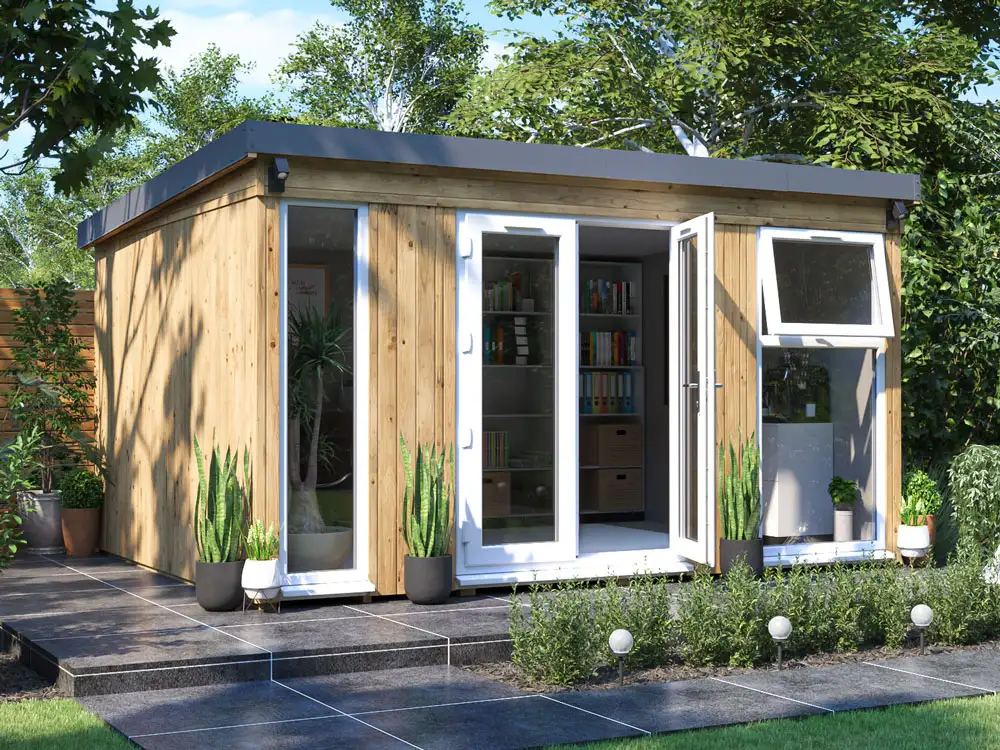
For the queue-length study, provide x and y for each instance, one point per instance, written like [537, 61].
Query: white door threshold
[586, 567]
[335, 588]
[776, 557]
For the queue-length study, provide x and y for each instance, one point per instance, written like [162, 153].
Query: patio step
[96, 626]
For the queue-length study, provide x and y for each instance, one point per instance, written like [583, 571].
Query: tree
[67, 68]
[848, 83]
[38, 224]
[397, 65]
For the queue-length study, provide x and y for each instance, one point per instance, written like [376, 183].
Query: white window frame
[355, 580]
[882, 324]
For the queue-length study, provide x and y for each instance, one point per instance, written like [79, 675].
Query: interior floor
[594, 537]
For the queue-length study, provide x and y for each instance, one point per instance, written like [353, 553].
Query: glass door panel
[516, 501]
[692, 390]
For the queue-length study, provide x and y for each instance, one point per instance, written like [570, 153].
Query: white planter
[913, 541]
[261, 579]
[843, 525]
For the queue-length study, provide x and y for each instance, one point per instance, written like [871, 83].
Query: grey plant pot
[731, 550]
[427, 580]
[41, 521]
[219, 586]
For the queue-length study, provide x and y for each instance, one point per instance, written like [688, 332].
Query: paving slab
[91, 600]
[533, 721]
[389, 607]
[181, 709]
[400, 688]
[977, 669]
[460, 626]
[850, 686]
[685, 704]
[64, 584]
[290, 612]
[342, 733]
[103, 622]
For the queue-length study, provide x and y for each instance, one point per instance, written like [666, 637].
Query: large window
[825, 320]
[324, 325]
[824, 283]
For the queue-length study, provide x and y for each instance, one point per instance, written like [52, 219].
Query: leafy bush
[644, 609]
[885, 598]
[82, 489]
[966, 607]
[700, 618]
[975, 493]
[722, 623]
[17, 459]
[922, 492]
[843, 492]
[555, 641]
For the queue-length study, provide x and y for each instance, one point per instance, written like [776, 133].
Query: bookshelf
[611, 388]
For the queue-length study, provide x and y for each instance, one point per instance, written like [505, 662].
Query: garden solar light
[921, 616]
[621, 642]
[780, 628]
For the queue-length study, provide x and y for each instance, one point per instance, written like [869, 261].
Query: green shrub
[843, 492]
[82, 489]
[18, 458]
[885, 599]
[789, 593]
[921, 491]
[700, 619]
[965, 605]
[975, 493]
[644, 609]
[556, 641]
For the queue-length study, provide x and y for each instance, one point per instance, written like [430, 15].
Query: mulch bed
[607, 677]
[18, 683]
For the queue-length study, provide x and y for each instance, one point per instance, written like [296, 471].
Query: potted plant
[82, 497]
[51, 393]
[739, 505]
[843, 493]
[923, 490]
[427, 569]
[218, 526]
[912, 536]
[17, 460]
[316, 361]
[261, 577]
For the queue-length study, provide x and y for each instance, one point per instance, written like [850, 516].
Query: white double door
[539, 257]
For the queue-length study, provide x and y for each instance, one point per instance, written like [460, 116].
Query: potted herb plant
[923, 490]
[739, 505]
[51, 393]
[220, 507]
[82, 497]
[316, 361]
[843, 493]
[261, 577]
[912, 536]
[427, 569]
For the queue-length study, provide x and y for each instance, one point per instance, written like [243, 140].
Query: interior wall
[179, 321]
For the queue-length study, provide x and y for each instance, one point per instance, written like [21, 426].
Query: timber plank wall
[82, 328]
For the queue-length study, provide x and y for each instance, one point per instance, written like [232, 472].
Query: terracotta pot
[81, 528]
[427, 580]
[731, 550]
[929, 520]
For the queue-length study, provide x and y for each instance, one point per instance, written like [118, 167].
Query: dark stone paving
[975, 669]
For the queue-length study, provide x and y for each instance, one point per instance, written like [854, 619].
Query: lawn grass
[960, 724]
[55, 725]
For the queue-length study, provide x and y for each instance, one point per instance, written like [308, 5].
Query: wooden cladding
[82, 329]
[412, 381]
[894, 398]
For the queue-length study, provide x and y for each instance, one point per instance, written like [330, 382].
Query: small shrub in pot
[740, 506]
[843, 493]
[82, 496]
[923, 493]
[261, 576]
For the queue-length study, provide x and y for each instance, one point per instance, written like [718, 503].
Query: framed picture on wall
[308, 286]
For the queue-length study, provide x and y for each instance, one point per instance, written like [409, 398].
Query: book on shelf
[609, 348]
[604, 297]
[496, 446]
[606, 393]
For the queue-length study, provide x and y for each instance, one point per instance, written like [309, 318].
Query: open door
[691, 356]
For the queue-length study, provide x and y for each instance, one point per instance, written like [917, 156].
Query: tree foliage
[844, 82]
[399, 65]
[68, 68]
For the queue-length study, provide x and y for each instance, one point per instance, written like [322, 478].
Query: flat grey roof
[254, 137]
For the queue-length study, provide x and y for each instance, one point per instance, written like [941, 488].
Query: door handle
[467, 438]
[689, 385]
[467, 344]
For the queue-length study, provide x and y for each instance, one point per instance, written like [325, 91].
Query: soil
[18, 683]
[607, 677]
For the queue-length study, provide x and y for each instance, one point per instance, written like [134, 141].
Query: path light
[780, 629]
[621, 642]
[921, 616]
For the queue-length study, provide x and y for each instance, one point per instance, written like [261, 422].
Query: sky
[262, 32]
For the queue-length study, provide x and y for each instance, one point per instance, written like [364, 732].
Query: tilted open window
[819, 283]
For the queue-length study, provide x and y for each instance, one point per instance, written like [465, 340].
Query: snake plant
[739, 491]
[220, 506]
[427, 501]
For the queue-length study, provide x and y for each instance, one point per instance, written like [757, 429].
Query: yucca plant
[261, 544]
[739, 490]
[427, 501]
[220, 506]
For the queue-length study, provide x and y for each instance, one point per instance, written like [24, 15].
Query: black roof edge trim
[293, 140]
